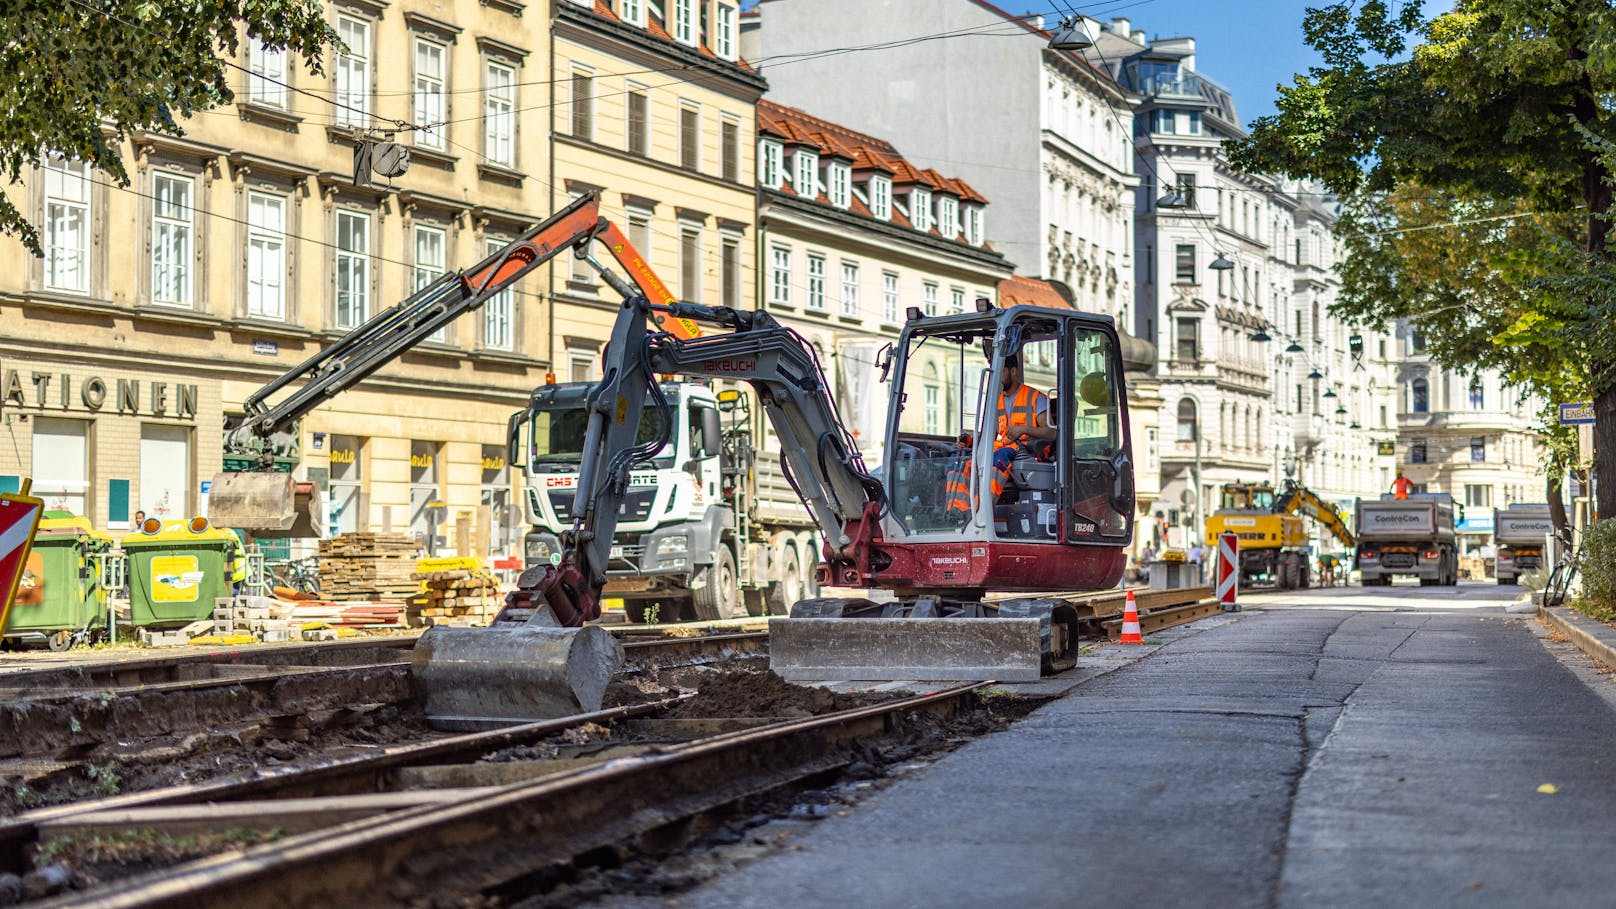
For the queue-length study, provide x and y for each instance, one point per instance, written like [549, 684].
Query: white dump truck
[710, 526]
[1412, 536]
[1520, 532]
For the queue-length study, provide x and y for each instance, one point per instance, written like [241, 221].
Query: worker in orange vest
[1401, 486]
[1023, 417]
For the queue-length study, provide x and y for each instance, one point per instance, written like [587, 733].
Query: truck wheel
[721, 598]
[787, 588]
[808, 559]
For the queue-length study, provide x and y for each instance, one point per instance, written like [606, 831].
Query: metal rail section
[421, 855]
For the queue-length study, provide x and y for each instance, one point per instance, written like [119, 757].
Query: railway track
[430, 823]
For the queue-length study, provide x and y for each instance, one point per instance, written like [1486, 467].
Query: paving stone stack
[457, 597]
[367, 566]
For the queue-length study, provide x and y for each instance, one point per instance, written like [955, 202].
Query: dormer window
[948, 216]
[920, 208]
[805, 180]
[632, 11]
[724, 31]
[841, 185]
[881, 197]
[684, 21]
[973, 224]
[771, 163]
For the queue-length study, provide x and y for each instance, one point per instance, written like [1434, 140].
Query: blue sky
[1248, 46]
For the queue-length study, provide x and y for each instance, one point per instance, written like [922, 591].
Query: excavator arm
[821, 458]
[261, 501]
[1295, 498]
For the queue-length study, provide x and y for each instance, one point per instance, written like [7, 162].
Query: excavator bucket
[265, 504]
[485, 678]
[826, 640]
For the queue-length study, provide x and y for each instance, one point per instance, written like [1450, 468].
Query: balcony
[1307, 429]
[1172, 85]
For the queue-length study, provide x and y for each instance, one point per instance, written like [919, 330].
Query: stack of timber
[349, 615]
[367, 566]
[456, 596]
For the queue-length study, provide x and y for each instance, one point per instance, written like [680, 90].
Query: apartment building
[652, 106]
[243, 247]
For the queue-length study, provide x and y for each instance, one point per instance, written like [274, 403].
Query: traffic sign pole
[1228, 588]
[19, 521]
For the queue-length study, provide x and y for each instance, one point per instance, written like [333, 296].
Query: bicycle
[1561, 578]
[301, 575]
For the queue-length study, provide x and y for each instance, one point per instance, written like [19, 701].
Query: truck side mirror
[712, 432]
[513, 438]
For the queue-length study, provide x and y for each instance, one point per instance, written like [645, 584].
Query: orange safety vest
[1023, 411]
[956, 485]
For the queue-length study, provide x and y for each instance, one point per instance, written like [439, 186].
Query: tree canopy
[1467, 148]
[82, 75]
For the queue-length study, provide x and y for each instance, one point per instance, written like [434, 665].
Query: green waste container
[60, 601]
[176, 571]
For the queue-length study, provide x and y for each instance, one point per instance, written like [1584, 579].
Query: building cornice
[575, 23]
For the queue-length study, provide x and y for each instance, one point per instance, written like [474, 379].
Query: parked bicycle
[1562, 577]
[301, 575]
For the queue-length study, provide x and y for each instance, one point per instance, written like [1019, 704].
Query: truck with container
[1411, 536]
[709, 528]
[1520, 533]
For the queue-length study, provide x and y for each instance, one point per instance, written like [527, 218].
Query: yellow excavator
[1272, 539]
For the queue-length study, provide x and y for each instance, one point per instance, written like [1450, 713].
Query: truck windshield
[557, 436]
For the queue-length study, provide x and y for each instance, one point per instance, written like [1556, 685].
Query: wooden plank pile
[455, 596]
[368, 566]
[350, 614]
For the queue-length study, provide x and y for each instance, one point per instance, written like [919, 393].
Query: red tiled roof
[1020, 290]
[655, 27]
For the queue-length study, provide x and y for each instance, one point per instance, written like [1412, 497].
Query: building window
[1420, 396]
[934, 407]
[67, 226]
[889, 298]
[639, 232]
[780, 275]
[499, 114]
[689, 137]
[266, 256]
[582, 275]
[429, 265]
[816, 282]
[1186, 189]
[956, 300]
[173, 231]
[583, 104]
[730, 265]
[580, 364]
[1478, 396]
[948, 216]
[684, 21]
[690, 263]
[347, 468]
[730, 151]
[973, 225]
[850, 289]
[1416, 451]
[1416, 342]
[1478, 495]
[928, 298]
[841, 185]
[1187, 420]
[499, 310]
[920, 209]
[1478, 449]
[639, 121]
[353, 73]
[632, 12]
[353, 268]
[770, 164]
[1184, 264]
[1189, 340]
[805, 179]
[724, 31]
[165, 471]
[62, 464]
[881, 197]
[426, 507]
[429, 92]
[266, 80]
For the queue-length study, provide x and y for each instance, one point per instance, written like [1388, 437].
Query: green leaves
[75, 66]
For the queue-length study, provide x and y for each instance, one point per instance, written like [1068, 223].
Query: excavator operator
[1023, 418]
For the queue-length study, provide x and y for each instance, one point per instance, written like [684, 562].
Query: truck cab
[1520, 532]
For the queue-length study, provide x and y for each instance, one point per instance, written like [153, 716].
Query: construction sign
[1228, 574]
[19, 521]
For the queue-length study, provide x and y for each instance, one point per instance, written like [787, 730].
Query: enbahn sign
[19, 521]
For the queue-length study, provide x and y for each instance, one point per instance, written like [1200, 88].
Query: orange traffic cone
[1130, 623]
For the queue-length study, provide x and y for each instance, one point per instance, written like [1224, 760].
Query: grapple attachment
[265, 504]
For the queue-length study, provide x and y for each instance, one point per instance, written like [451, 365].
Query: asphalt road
[1336, 747]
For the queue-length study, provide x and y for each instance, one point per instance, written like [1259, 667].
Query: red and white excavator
[1061, 520]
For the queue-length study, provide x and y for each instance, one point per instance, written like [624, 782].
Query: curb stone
[1596, 639]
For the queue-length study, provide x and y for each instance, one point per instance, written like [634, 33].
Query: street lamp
[1293, 348]
[1315, 374]
[1221, 263]
[1261, 335]
[1071, 36]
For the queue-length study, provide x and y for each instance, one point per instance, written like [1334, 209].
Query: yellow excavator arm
[1297, 499]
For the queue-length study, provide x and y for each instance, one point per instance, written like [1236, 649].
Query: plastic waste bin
[176, 570]
[59, 600]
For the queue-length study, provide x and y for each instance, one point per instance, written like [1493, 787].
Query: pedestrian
[140, 520]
